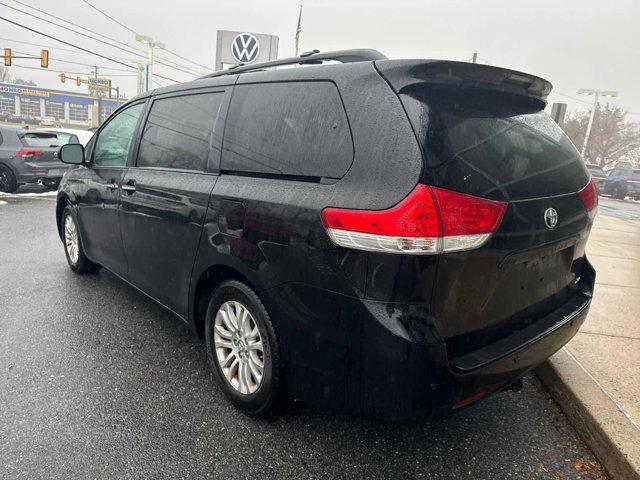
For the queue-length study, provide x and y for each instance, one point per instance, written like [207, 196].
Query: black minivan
[390, 238]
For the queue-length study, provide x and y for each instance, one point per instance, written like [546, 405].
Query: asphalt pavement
[96, 381]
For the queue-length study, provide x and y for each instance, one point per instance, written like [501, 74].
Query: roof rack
[313, 57]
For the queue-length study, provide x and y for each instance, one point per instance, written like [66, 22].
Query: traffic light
[7, 57]
[63, 77]
[78, 81]
[44, 59]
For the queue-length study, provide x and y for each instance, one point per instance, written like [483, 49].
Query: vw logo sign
[551, 217]
[245, 48]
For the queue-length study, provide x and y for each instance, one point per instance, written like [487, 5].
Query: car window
[40, 139]
[178, 132]
[112, 146]
[63, 138]
[291, 128]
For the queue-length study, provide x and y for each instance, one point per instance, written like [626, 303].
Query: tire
[267, 393]
[76, 258]
[619, 193]
[8, 182]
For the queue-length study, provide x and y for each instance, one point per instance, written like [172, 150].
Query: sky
[574, 44]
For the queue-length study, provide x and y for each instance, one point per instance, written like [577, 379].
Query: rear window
[492, 145]
[40, 139]
[292, 128]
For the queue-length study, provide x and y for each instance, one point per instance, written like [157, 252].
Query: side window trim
[96, 136]
[213, 164]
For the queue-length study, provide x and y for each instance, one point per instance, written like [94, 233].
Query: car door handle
[129, 187]
[112, 186]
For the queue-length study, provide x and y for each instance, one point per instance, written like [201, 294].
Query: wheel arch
[208, 280]
[62, 202]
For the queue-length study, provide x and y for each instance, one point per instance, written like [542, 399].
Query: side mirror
[72, 153]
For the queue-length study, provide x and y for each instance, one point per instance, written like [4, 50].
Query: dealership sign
[241, 48]
[245, 48]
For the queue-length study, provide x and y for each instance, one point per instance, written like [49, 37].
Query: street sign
[241, 48]
[99, 86]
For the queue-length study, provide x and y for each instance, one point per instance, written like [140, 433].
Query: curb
[612, 435]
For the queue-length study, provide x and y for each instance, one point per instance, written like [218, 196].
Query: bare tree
[612, 136]
[22, 81]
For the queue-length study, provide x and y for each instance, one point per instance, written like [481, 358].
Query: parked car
[28, 156]
[623, 182]
[70, 135]
[392, 238]
[598, 175]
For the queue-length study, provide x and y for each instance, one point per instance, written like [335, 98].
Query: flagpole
[298, 30]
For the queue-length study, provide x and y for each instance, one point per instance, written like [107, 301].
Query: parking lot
[96, 381]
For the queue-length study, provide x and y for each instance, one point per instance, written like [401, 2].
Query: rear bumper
[388, 361]
[45, 174]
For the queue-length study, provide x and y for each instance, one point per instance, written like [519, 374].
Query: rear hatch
[41, 151]
[483, 132]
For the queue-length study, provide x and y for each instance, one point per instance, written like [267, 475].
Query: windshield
[40, 139]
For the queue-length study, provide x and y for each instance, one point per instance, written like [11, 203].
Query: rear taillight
[428, 221]
[633, 180]
[25, 153]
[589, 197]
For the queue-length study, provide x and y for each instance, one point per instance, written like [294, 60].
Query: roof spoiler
[404, 74]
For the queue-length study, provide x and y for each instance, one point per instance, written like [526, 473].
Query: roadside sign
[99, 86]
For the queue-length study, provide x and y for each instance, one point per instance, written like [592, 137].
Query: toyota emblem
[551, 217]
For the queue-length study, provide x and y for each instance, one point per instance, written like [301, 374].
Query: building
[43, 106]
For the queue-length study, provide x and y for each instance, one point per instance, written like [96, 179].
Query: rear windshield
[492, 145]
[40, 139]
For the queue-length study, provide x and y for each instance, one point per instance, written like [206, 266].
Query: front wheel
[76, 258]
[243, 350]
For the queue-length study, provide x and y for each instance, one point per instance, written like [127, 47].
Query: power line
[142, 52]
[110, 17]
[67, 71]
[79, 48]
[74, 24]
[66, 43]
[102, 67]
[188, 72]
[137, 33]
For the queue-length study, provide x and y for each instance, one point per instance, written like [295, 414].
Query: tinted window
[492, 145]
[112, 146]
[40, 139]
[179, 131]
[293, 128]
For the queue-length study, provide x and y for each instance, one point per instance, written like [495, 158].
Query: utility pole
[596, 96]
[151, 44]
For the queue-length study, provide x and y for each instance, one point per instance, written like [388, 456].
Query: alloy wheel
[239, 348]
[71, 239]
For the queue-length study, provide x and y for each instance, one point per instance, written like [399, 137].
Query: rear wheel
[8, 183]
[78, 261]
[619, 192]
[242, 349]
